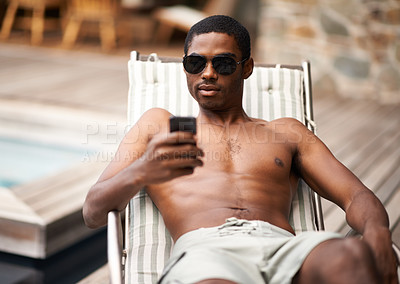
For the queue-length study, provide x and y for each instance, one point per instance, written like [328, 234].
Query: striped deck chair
[271, 92]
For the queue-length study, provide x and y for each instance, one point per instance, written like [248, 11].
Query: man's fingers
[180, 137]
[171, 156]
[388, 268]
[185, 171]
[179, 151]
[186, 162]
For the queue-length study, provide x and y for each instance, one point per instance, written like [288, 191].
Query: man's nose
[209, 72]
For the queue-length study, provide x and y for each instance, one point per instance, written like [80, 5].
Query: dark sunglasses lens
[224, 65]
[194, 64]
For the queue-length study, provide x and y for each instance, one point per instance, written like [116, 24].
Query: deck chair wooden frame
[145, 243]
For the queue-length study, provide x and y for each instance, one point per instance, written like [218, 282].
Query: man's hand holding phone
[174, 155]
[187, 127]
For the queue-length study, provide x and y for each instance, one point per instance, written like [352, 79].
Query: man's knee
[347, 260]
[356, 253]
[355, 258]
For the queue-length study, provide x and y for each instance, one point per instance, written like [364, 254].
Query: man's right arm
[148, 154]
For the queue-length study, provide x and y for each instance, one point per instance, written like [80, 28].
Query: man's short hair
[221, 24]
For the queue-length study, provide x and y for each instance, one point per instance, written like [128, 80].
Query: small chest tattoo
[279, 162]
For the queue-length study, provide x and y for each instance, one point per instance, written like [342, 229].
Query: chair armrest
[114, 247]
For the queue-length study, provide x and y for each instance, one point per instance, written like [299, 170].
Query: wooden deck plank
[370, 150]
[364, 142]
[366, 134]
[387, 160]
[56, 203]
[88, 81]
[355, 127]
[331, 108]
[341, 147]
[372, 145]
[62, 194]
[13, 208]
[36, 189]
[385, 191]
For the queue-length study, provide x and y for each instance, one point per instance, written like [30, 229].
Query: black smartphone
[182, 123]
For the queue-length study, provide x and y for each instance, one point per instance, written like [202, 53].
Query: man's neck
[222, 117]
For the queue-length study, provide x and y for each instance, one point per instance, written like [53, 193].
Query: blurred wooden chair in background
[182, 17]
[101, 11]
[35, 21]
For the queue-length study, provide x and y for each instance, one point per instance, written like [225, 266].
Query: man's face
[211, 90]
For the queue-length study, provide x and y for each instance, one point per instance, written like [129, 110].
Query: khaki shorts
[240, 251]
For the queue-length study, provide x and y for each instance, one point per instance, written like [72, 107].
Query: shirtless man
[228, 213]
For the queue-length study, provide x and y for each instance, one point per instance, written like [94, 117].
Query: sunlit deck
[80, 98]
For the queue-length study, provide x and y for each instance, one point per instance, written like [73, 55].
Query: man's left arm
[333, 181]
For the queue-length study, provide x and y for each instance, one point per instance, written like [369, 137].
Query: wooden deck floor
[63, 95]
[365, 136]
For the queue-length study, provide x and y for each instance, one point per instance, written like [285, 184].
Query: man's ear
[248, 68]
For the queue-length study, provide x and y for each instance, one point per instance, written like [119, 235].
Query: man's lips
[208, 90]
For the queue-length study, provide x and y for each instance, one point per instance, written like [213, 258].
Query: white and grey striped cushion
[269, 93]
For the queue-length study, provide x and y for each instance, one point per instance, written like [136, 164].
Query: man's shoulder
[154, 116]
[153, 121]
[295, 131]
[285, 124]
[286, 121]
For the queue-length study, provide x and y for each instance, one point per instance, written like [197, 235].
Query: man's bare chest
[246, 152]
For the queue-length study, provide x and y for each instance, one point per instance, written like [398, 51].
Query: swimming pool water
[23, 161]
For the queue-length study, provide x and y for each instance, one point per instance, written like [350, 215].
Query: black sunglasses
[223, 64]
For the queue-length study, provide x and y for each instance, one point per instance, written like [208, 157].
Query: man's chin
[210, 105]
